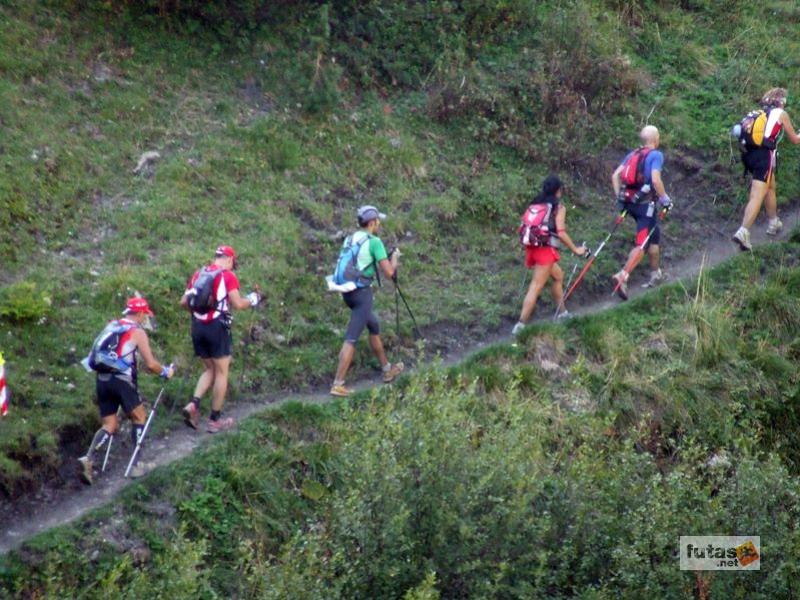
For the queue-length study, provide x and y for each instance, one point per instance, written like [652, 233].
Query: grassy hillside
[272, 130]
[564, 466]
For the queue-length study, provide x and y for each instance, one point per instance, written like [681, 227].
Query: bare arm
[143, 346]
[561, 231]
[185, 299]
[658, 184]
[389, 265]
[237, 301]
[616, 181]
[789, 129]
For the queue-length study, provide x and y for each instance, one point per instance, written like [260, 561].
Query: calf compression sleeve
[100, 438]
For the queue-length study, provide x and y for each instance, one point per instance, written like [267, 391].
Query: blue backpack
[103, 356]
[347, 266]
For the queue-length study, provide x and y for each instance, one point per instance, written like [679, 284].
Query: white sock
[386, 367]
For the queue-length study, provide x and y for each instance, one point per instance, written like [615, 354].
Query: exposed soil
[58, 504]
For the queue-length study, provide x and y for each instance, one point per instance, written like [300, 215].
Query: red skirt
[541, 255]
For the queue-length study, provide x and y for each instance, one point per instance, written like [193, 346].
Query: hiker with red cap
[210, 295]
[113, 357]
[640, 192]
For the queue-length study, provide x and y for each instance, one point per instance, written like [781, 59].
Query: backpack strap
[360, 244]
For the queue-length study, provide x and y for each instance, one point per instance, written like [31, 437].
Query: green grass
[502, 477]
[258, 153]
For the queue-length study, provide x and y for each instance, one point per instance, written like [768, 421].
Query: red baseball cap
[226, 251]
[137, 305]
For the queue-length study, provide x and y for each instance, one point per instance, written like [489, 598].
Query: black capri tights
[360, 304]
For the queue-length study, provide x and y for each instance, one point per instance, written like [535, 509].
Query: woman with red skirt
[544, 259]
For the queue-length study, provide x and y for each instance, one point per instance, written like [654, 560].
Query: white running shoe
[517, 328]
[742, 237]
[775, 225]
[621, 279]
[564, 314]
[656, 277]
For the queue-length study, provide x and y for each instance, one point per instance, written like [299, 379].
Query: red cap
[226, 251]
[137, 305]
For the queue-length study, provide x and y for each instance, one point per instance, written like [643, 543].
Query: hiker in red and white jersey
[761, 162]
[118, 387]
[218, 287]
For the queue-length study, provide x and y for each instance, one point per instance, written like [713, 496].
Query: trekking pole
[396, 311]
[245, 353]
[620, 217]
[144, 432]
[638, 251]
[108, 452]
[560, 305]
[417, 334]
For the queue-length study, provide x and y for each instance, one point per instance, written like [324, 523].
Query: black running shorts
[113, 392]
[758, 162]
[646, 217]
[360, 304]
[211, 340]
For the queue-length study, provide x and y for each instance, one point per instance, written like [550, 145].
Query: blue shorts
[646, 218]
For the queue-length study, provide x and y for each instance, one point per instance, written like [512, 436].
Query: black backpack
[103, 356]
[201, 297]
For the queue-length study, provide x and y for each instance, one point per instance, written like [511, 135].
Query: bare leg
[634, 258]
[206, 379]
[557, 288]
[771, 199]
[654, 254]
[221, 368]
[346, 355]
[111, 423]
[758, 190]
[138, 415]
[541, 273]
[376, 344]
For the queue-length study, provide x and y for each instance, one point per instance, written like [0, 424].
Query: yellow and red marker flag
[3, 390]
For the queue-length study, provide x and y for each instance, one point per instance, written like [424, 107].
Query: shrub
[23, 301]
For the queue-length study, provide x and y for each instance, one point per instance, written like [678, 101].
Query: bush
[22, 301]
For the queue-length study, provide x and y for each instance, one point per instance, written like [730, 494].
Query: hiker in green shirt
[369, 254]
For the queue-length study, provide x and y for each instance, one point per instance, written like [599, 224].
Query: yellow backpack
[753, 128]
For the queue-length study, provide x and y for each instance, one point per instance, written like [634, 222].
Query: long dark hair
[550, 187]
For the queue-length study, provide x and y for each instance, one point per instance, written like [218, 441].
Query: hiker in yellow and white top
[759, 154]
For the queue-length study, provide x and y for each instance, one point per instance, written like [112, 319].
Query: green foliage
[23, 301]
[274, 120]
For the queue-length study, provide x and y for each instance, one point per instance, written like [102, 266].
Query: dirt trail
[59, 507]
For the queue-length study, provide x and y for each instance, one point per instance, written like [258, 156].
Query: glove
[665, 202]
[253, 298]
[167, 371]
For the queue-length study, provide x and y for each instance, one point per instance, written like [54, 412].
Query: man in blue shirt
[638, 196]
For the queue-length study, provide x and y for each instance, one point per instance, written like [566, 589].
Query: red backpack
[632, 176]
[535, 227]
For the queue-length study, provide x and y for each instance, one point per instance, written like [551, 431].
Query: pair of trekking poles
[138, 448]
[632, 261]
